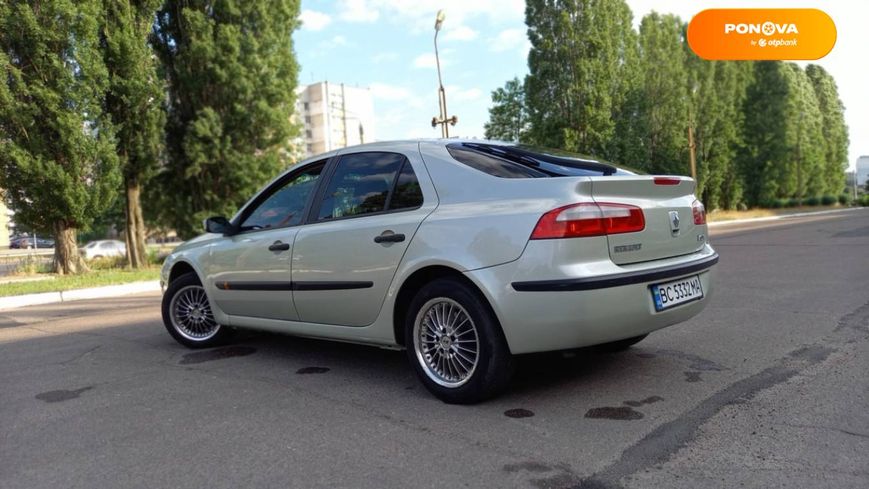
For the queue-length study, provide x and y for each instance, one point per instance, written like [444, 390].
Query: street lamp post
[442, 96]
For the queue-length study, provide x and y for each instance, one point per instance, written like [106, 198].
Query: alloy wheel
[446, 342]
[191, 314]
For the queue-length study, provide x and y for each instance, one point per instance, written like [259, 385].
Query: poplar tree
[231, 74]
[802, 171]
[57, 162]
[783, 155]
[580, 57]
[717, 92]
[665, 104]
[835, 140]
[764, 132]
[134, 101]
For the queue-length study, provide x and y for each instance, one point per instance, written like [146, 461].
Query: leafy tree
[764, 132]
[134, 102]
[508, 119]
[806, 146]
[783, 155]
[231, 74]
[717, 92]
[580, 58]
[59, 169]
[731, 82]
[626, 144]
[835, 140]
[665, 103]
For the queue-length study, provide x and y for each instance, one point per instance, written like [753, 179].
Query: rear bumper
[659, 274]
[547, 315]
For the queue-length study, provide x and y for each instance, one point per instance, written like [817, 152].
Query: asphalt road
[767, 388]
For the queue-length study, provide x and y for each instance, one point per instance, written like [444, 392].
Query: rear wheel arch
[415, 282]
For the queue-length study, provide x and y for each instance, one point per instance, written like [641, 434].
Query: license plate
[671, 294]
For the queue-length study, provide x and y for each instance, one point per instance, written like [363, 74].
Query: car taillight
[699, 211]
[589, 219]
[667, 180]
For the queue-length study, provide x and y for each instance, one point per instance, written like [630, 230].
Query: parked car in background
[103, 249]
[464, 253]
[31, 243]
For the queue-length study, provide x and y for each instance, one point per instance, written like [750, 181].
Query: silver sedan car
[463, 252]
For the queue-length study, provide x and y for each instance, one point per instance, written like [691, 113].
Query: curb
[783, 216]
[16, 301]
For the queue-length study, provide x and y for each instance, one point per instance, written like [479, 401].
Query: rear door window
[360, 185]
[407, 194]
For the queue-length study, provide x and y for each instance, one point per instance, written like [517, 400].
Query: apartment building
[334, 115]
[862, 171]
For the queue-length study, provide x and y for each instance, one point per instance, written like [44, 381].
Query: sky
[387, 45]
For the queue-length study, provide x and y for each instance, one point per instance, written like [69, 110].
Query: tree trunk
[67, 260]
[135, 232]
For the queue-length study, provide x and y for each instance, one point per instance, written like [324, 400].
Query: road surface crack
[668, 438]
[79, 356]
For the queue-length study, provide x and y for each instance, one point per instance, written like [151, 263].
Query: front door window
[283, 206]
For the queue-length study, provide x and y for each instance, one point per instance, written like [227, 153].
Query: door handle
[278, 246]
[389, 237]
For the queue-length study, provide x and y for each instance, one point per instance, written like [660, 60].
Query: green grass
[96, 278]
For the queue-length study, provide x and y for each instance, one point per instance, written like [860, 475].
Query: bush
[741, 206]
[845, 199]
[108, 263]
[828, 200]
[864, 200]
[792, 202]
[812, 201]
[157, 256]
[33, 264]
[775, 204]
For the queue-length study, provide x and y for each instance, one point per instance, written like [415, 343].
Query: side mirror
[219, 225]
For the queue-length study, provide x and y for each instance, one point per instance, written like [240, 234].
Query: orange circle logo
[762, 34]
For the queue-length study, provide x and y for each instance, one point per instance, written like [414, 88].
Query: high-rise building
[334, 115]
[862, 170]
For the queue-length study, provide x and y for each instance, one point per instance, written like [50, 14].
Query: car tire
[621, 345]
[187, 314]
[474, 362]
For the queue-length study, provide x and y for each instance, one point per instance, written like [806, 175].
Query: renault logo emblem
[674, 223]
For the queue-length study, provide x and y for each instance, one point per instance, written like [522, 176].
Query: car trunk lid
[667, 208]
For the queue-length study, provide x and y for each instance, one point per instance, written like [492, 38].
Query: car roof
[398, 144]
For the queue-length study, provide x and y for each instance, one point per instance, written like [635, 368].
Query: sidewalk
[16, 301]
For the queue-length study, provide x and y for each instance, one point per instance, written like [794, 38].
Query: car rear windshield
[522, 161]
